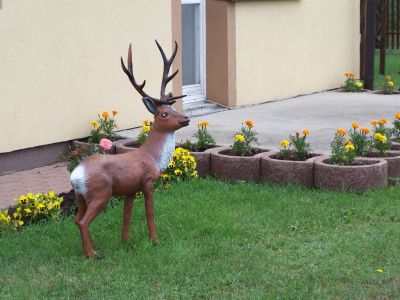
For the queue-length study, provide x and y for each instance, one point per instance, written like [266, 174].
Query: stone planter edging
[285, 171]
[76, 144]
[393, 161]
[232, 168]
[395, 146]
[123, 146]
[358, 178]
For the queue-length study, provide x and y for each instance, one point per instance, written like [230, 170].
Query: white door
[193, 50]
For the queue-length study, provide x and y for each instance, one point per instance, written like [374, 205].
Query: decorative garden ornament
[100, 177]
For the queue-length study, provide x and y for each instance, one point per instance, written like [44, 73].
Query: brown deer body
[100, 177]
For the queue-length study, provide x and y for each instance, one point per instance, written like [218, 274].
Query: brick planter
[395, 146]
[393, 161]
[203, 161]
[284, 171]
[85, 145]
[372, 174]
[225, 166]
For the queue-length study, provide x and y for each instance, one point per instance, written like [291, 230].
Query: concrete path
[321, 113]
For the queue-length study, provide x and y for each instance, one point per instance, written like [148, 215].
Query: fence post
[384, 22]
[370, 28]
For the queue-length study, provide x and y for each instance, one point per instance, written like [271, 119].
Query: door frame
[197, 92]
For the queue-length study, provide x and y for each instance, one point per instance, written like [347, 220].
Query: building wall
[287, 48]
[59, 63]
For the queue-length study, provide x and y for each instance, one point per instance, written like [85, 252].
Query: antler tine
[167, 99]
[129, 72]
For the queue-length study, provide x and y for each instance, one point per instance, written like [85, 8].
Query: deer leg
[148, 196]
[128, 205]
[94, 207]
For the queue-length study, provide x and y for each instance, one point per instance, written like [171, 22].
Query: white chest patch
[166, 152]
[78, 180]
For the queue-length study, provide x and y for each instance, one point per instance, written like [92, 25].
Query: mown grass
[219, 240]
[392, 69]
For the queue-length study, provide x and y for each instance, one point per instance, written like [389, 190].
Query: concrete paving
[321, 113]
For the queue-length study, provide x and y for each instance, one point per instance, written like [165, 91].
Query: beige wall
[59, 63]
[291, 47]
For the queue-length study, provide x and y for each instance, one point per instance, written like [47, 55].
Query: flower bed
[368, 173]
[278, 170]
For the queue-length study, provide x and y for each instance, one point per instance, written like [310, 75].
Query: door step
[200, 108]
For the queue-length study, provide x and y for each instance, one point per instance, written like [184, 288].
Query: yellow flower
[203, 124]
[56, 204]
[249, 123]
[285, 143]
[94, 124]
[146, 128]
[105, 115]
[22, 200]
[390, 83]
[374, 123]
[379, 270]
[355, 125]
[359, 84]
[239, 138]
[306, 132]
[52, 194]
[194, 174]
[114, 112]
[17, 215]
[349, 147]
[50, 206]
[380, 137]
[40, 207]
[397, 116]
[19, 223]
[383, 121]
[27, 211]
[171, 164]
[341, 131]
[388, 78]
[178, 172]
[365, 130]
[164, 176]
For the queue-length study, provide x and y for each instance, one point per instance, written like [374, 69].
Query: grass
[392, 68]
[219, 240]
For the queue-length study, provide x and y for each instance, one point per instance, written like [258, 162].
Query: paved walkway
[321, 113]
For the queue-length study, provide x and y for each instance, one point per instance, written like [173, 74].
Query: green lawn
[219, 241]
[392, 68]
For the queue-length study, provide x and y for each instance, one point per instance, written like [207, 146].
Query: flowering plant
[204, 138]
[360, 139]
[181, 167]
[351, 84]
[382, 140]
[396, 127]
[31, 209]
[145, 131]
[75, 157]
[301, 149]
[244, 138]
[103, 127]
[388, 85]
[343, 150]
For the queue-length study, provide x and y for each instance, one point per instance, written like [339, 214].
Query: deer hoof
[91, 254]
[155, 242]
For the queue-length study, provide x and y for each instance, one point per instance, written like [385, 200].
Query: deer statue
[99, 177]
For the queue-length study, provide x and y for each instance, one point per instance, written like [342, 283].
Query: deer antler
[129, 72]
[168, 99]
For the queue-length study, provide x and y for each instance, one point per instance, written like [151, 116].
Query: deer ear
[149, 103]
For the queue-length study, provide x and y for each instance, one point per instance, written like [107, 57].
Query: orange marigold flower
[114, 112]
[105, 115]
[341, 131]
[374, 123]
[365, 130]
[249, 123]
[388, 78]
[397, 116]
[203, 124]
[297, 134]
[355, 125]
[146, 122]
[383, 121]
[306, 132]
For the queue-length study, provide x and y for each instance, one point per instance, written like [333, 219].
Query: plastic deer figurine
[99, 177]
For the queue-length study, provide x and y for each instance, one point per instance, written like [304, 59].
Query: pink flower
[105, 144]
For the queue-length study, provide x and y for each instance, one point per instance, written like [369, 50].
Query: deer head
[165, 117]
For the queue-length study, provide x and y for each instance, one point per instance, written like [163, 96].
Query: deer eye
[164, 114]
